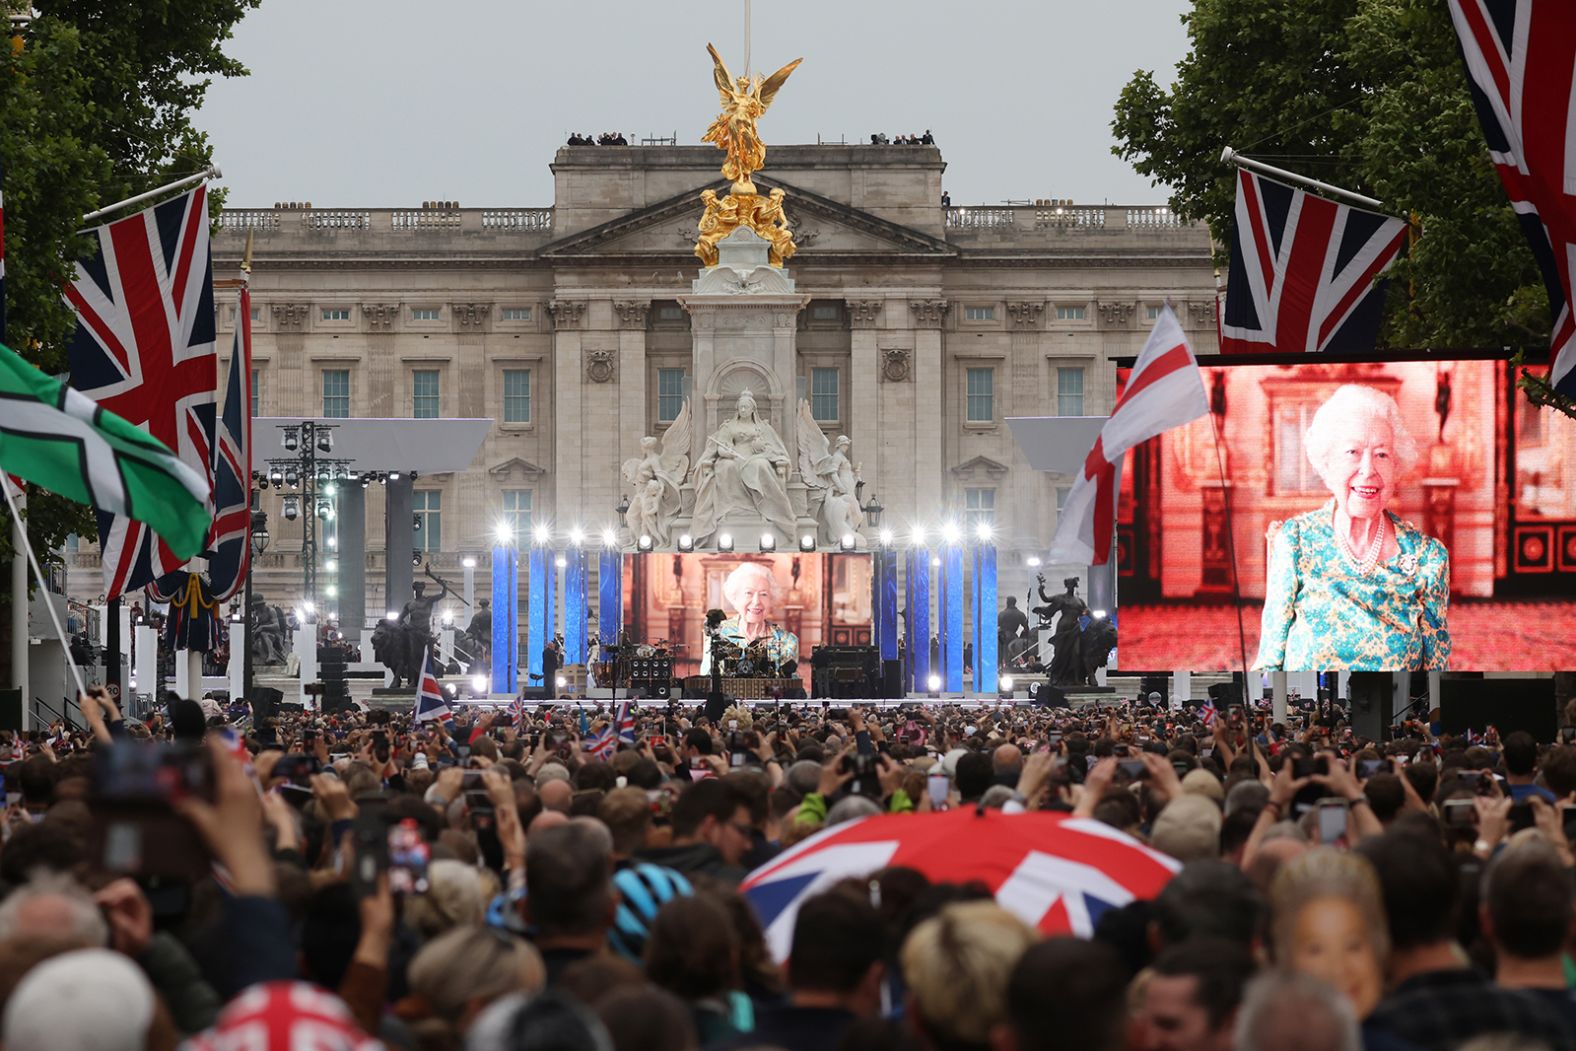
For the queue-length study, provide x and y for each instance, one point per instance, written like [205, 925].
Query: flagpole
[54, 618]
[210, 172]
[1231, 156]
[1231, 549]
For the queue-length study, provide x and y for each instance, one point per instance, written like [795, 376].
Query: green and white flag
[60, 439]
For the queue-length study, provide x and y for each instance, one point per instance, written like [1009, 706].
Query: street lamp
[873, 511]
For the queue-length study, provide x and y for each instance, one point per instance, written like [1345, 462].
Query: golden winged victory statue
[744, 101]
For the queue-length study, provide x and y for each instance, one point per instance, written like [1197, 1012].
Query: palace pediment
[516, 467]
[823, 228]
[980, 466]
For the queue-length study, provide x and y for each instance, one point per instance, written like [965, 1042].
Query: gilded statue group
[744, 101]
[742, 472]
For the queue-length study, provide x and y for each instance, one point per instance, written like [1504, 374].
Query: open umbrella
[1058, 873]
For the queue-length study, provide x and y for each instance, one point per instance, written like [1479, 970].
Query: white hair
[1355, 402]
[735, 582]
[1283, 1011]
[84, 924]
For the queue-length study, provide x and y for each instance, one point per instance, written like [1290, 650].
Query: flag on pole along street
[144, 350]
[231, 537]
[1165, 390]
[57, 438]
[1521, 69]
[1303, 271]
[430, 702]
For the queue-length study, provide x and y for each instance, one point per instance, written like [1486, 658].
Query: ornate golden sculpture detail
[744, 101]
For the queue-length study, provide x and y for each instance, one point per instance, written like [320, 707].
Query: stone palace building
[924, 327]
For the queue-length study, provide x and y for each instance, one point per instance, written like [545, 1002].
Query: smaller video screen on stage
[758, 617]
[1360, 516]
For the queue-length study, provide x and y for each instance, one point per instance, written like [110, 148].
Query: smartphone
[1367, 768]
[1314, 764]
[1133, 769]
[940, 787]
[152, 773]
[135, 829]
[1521, 817]
[408, 857]
[1568, 820]
[1460, 813]
[297, 769]
[370, 836]
[657, 740]
[477, 801]
[1332, 819]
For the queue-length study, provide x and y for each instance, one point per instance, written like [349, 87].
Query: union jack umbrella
[144, 350]
[1059, 874]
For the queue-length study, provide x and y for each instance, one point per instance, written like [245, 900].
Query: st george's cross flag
[1164, 390]
[1304, 271]
[57, 438]
[1521, 69]
[144, 350]
[231, 538]
[431, 705]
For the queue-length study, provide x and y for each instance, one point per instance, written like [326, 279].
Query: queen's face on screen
[1361, 469]
[749, 590]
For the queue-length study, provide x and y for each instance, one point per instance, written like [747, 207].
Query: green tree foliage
[96, 100]
[1370, 95]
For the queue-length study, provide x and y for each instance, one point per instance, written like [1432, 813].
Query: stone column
[399, 539]
[568, 380]
[631, 381]
[352, 555]
[929, 408]
[864, 411]
[1021, 507]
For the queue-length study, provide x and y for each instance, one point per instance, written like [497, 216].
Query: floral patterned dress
[1322, 614]
[781, 646]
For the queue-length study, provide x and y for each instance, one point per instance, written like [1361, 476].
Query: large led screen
[776, 608]
[1380, 516]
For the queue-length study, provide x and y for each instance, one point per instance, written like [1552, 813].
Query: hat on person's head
[1203, 783]
[949, 762]
[89, 998]
[1188, 829]
[419, 761]
[278, 1014]
[211, 709]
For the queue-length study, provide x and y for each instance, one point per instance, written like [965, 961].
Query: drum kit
[633, 663]
[750, 661]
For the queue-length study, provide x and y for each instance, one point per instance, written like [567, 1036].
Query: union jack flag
[430, 702]
[230, 540]
[604, 744]
[517, 713]
[624, 722]
[1303, 271]
[1206, 712]
[1520, 59]
[144, 350]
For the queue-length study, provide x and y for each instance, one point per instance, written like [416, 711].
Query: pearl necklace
[1366, 563]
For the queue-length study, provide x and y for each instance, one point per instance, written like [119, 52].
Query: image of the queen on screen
[1351, 586]
[749, 595]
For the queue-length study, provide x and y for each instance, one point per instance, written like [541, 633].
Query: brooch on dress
[1409, 563]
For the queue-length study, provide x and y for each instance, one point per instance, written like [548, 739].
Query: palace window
[427, 505]
[257, 392]
[517, 513]
[979, 507]
[670, 394]
[517, 313]
[516, 395]
[1062, 493]
[1152, 312]
[1070, 391]
[424, 394]
[824, 395]
[336, 394]
[1070, 313]
[424, 313]
[979, 313]
[981, 395]
[336, 313]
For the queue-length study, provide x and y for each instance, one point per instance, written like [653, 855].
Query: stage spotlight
[768, 542]
[686, 542]
[276, 476]
[643, 542]
[415, 559]
[300, 615]
[577, 536]
[560, 562]
[393, 476]
[1033, 561]
[292, 479]
[886, 538]
[983, 531]
[807, 542]
[365, 481]
[325, 441]
[503, 532]
[331, 566]
[950, 532]
[291, 443]
[292, 508]
[609, 538]
[451, 689]
[935, 560]
[543, 534]
[331, 591]
[724, 541]
[1098, 614]
[933, 684]
[848, 541]
[262, 481]
[560, 682]
[447, 617]
[468, 562]
[479, 683]
[1005, 683]
[916, 536]
[391, 616]
[333, 543]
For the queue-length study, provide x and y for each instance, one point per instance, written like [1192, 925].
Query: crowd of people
[506, 880]
[879, 138]
[607, 138]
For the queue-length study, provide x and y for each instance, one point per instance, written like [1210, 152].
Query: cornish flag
[1059, 874]
[1303, 271]
[431, 705]
[1165, 390]
[144, 350]
[1521, 67]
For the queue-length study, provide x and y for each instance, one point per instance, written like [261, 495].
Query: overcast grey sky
[384, 103]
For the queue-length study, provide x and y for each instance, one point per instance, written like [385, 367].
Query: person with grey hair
[1351, 586]
[54, 908]
[1283, 1011]
[750, 592]
[851, 808]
